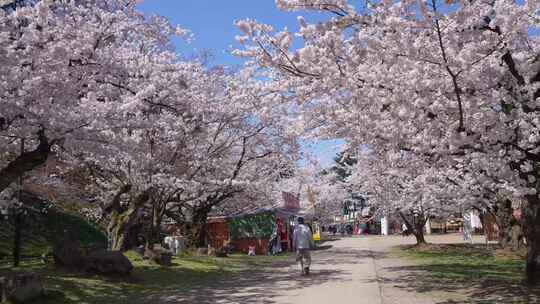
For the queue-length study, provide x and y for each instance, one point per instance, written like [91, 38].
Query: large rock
[21, 288]
[222, 252]
[68, 253]
[108, 263]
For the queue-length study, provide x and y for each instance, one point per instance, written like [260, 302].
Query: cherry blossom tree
[183, 153]
[242, 149]
[404, 185]
[60, 69]
[453, 83]
[76, 74]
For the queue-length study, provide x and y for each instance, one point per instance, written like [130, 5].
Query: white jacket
[302, 237]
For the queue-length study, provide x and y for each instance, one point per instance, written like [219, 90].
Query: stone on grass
[222, 252]
[68, 253]
[108, 263]
[219, 252]
[21, 288]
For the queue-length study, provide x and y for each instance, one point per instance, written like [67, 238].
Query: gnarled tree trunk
[197, 230]
[416, 226]
[124, 219]
[509, 228]
[26, 161]
[503, 217]
[159, 208]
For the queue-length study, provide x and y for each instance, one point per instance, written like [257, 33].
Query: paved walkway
[350, 270]
[347, 271]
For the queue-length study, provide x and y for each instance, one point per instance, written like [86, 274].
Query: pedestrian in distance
[303, 242]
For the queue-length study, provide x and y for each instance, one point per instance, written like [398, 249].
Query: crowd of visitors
[356, 228]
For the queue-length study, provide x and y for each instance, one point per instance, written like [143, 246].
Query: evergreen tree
[343, 161]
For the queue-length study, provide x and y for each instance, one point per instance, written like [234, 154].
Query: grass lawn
[475, 272]
[466, 263]
[147, 280]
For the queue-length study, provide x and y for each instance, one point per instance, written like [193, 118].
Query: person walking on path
[303, 242]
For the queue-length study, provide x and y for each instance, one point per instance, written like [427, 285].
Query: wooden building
[255, 227]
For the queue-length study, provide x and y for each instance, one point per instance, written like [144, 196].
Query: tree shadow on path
[261, 285]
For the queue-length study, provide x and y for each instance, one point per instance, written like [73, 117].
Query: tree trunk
[416, 227]
[25, 162]
[122, 222]
[17, 238]
[150, 240]
[197, 231]
[132, 238]
[420, 240]
[533, 254]
[503, 218]
[531, 229]
[120, 228]
[159, 207]
[419, 234]
[149, 244]
[122, 235]
[152, 233]
[482, 218]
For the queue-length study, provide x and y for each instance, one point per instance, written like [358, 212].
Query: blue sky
[212, 23]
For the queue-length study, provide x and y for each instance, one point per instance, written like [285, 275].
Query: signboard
[290, 201]
[252, 226]
[365, 212]
[316, 232]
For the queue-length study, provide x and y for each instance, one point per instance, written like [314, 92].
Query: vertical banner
[290, 201]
